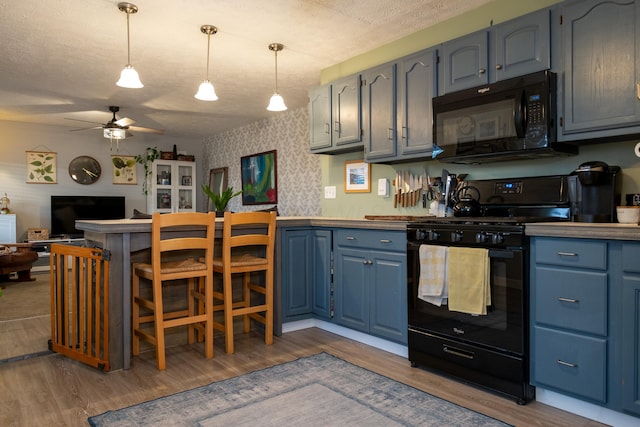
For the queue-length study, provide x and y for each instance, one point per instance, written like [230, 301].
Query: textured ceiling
[61, 58]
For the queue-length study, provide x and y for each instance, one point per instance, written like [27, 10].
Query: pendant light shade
[276, 103]
[129, 77]
[206, 92]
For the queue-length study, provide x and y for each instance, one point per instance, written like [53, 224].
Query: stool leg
[228, 311]
[158, 313]
[135, 314]
[246, 298]
[268, 315]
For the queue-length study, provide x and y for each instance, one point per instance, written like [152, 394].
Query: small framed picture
[186, 180]
[357, 177]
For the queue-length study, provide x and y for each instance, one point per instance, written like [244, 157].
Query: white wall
[31, 202]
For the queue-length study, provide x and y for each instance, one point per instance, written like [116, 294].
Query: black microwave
[508, 120]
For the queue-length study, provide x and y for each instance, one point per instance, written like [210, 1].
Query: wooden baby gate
[80, 304]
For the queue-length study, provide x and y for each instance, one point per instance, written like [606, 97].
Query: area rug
[319, 390]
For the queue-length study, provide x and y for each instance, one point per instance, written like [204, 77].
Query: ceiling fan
[118, 128]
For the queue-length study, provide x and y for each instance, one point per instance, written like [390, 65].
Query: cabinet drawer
[395, 241]
[572, 252]
[631, 257]
[571, 362]
[571, 299]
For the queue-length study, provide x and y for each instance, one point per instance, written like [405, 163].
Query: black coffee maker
[594, 192]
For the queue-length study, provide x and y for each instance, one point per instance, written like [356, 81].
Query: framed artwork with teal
[259, 179]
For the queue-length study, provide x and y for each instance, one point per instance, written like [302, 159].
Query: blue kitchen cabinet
[379, 112]
[509, 49]
[417, 85]
[335, 116]
[630, 342]
[306, 273]
[370, 291]
[320, 123]
[601, 64]
[570, 339]
[346, 102]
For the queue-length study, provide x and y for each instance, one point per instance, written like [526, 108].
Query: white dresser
[8, 228]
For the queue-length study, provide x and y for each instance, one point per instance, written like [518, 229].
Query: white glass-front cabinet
[172, 187]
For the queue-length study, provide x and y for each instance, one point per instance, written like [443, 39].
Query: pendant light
[206, 92]
[129, 77]
[276, 103]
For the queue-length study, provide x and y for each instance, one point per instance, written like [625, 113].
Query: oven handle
[457, 352]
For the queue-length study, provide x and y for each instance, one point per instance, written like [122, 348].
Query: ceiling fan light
[276, 103]
[206, 92]
[113, 133]
[129, 78]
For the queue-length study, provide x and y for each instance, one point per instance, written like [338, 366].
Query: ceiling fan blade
[146, 130]
[125, 121]
[95, 127]
[128, 134]
[86, 121]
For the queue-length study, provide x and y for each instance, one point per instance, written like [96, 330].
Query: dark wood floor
[53, 390]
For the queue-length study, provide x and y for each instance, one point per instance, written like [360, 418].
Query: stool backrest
[255, 229]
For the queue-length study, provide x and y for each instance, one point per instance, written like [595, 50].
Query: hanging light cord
[128, 41]
[276, 58]
[208, 50]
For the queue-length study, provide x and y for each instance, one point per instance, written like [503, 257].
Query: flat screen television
[65, 210]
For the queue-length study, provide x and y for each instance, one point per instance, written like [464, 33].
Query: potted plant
[221, 200]
[146, 159]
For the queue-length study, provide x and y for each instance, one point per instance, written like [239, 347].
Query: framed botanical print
[41, 167]
[124, 170]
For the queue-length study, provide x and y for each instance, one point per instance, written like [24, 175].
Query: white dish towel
[432, 286]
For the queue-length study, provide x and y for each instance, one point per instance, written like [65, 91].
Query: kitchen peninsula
[129, 240]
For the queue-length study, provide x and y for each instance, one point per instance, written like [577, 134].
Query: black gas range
[490, 350]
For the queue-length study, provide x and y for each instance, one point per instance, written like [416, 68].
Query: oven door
[501, 329]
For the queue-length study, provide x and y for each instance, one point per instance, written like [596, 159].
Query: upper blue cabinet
[510, 49]
[601, 64]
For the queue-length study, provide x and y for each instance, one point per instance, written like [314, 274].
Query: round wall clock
[84, 170]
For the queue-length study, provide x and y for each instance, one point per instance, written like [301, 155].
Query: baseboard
[391, 347]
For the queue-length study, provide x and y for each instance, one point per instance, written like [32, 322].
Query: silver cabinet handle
[482, 71]
[385, 241]
[351, 238]
[571, 300]
[326, 128]
[567, 254]
[638, 90]
[367, 262]
[563, 363]
[403, 134]
[390, 137]
[498, 66]
[336, 127]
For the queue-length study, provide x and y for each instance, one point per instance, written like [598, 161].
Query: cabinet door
[417, 86]
[320, 117]
[379, 100]
[523, 45]
[601, 65]
[321, 273]
[630, 340]
[347, 112]
[388, 279]
[465, 61]
[172, 187]
[351, 292]
[297, 273]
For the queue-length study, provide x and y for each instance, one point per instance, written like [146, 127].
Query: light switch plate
[330, 192]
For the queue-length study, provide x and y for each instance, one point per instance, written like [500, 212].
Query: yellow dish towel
[433, 274]
[469, 280]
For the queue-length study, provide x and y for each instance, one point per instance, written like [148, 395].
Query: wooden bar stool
[179, 250]
[248, 243]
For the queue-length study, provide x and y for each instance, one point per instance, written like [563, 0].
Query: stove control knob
[433, 235]
[456, 236]
[421, 234]
[481, 237]
[497, 238]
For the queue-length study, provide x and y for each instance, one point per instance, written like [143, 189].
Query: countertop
[612, 231]
[584, 230]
